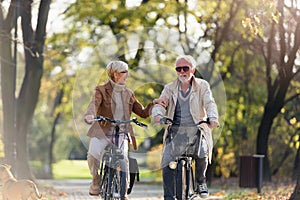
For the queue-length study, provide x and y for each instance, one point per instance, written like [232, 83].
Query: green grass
[152, 176]
[71, 169]
[78, 169]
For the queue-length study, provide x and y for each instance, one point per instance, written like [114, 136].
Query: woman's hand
[133, 140]
[89, 119]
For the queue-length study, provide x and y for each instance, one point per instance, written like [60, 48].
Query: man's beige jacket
[202, 105]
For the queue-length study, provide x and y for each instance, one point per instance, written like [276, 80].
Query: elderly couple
[186, 100]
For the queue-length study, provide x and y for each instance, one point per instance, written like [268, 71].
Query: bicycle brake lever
[99, 118]
[163, 120]
[138, 123]
[142, 124]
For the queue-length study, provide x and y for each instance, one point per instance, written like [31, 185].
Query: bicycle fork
[184, 179]
[181, 180]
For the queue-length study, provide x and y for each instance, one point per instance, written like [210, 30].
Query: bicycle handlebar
[167, 120]
[118, 122]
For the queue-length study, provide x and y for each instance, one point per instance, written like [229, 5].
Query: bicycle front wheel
[104, 184]
[181, 181]
[116, 186]
[107, 184]
[191, 185]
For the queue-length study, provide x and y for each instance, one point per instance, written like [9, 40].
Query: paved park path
[78, 189]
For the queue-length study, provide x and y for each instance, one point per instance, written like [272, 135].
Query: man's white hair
[189, 59]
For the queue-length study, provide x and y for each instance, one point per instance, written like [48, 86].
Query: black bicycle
[185, 146]
[113, 179]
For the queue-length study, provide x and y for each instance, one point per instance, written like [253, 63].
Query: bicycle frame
[110, 171]
[184, 175]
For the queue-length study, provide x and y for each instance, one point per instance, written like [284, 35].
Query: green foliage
[222, 35]
[154, 157]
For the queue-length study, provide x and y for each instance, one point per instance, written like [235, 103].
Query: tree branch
[291, 98]
[10, 18]
[268, 58]
[41, 25]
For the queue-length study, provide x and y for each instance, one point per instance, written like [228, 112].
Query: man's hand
[213, 124]
[89, 119]
[157, 119]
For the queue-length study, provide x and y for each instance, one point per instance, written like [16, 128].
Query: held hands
[161, 101]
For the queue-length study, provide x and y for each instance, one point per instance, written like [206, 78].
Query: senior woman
[113, 100]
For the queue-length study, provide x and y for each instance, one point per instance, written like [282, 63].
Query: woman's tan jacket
[102, 104]
[202, 105]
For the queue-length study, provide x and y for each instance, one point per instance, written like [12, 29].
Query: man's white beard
[184, 78]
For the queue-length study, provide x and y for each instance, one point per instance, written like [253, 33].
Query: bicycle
[184, 157]
[112, 177]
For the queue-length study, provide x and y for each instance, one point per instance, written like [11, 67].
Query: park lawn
[78, 169]
[71, 169]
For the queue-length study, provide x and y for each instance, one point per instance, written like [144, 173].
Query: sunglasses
[184, 68]
[124, 72]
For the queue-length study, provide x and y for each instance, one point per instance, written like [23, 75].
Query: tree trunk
[8, 86]
[34, 41]
[272, 108]
[51, 157]
[296, 193]
[8, 101]
[262, 142]
[57, 103]
[296, 167]
[26, 106]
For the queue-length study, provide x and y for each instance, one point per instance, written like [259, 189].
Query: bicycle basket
[185, 141]
[113, 152]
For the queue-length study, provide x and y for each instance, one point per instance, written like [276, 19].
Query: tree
[215, 19]
[209, 29]
[279, 45]
[296, 193]
[18, 110]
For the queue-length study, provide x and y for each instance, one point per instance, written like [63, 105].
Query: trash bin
[251, 171]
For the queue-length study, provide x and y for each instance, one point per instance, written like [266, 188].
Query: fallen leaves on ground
[276, 190]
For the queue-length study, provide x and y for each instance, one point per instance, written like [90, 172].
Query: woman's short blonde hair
[115, 66]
